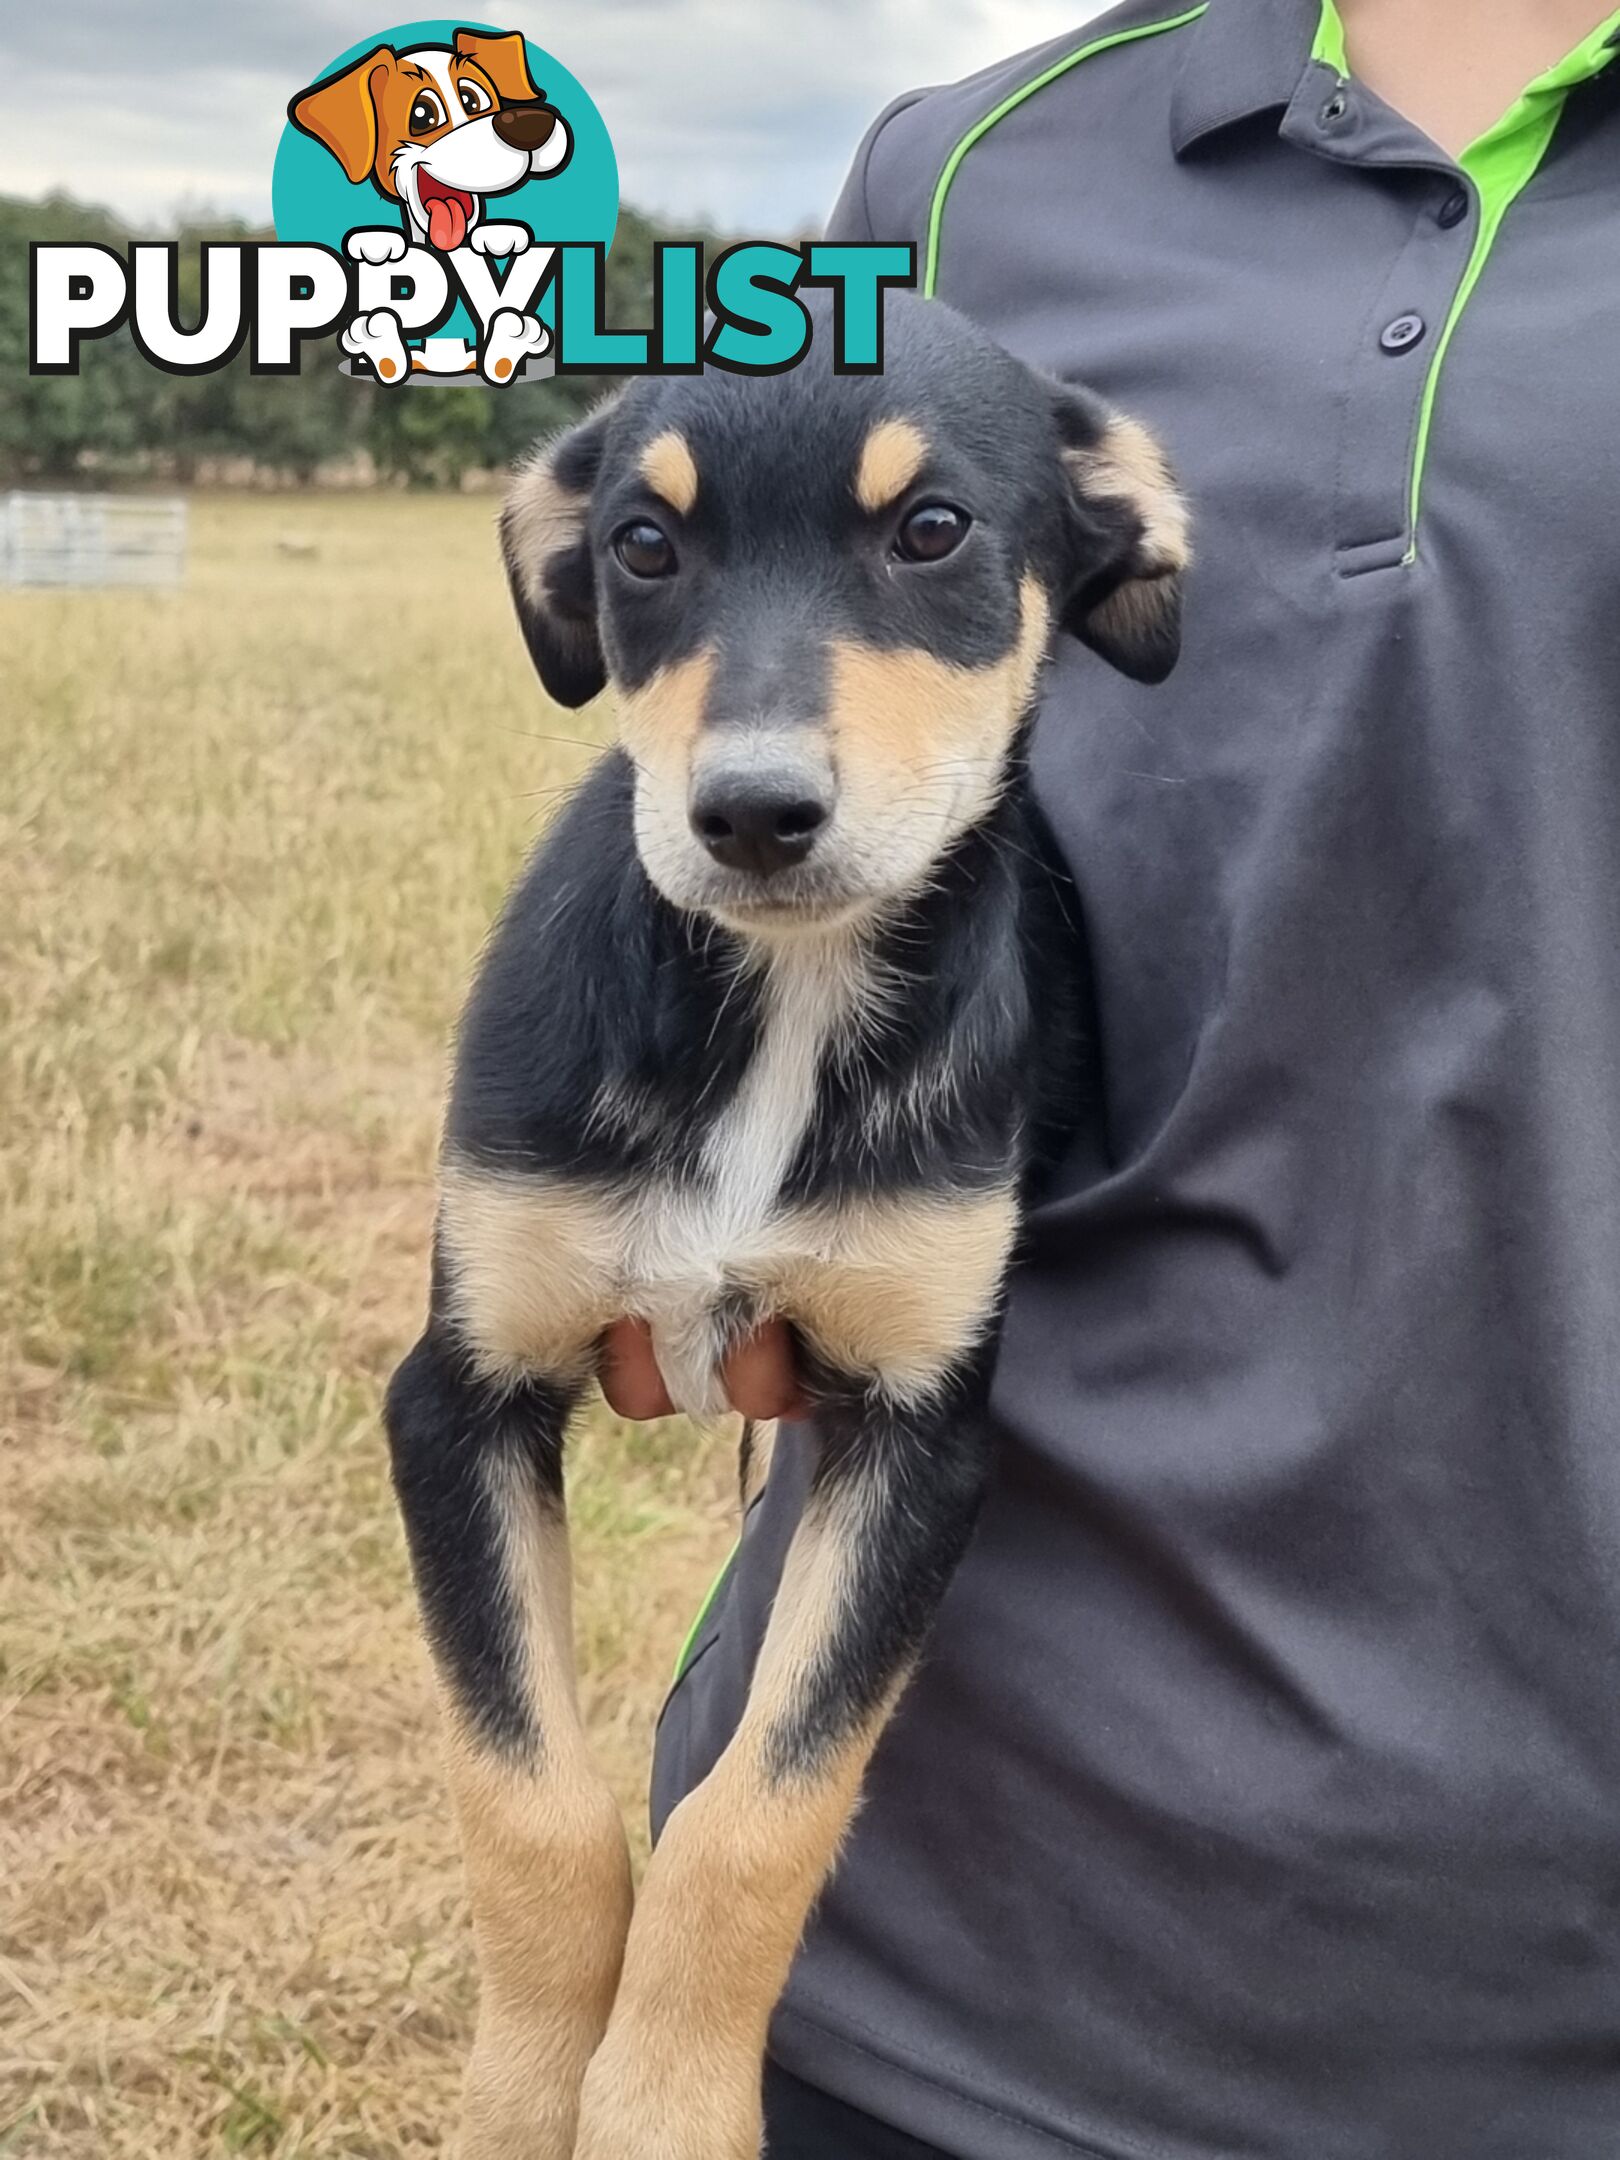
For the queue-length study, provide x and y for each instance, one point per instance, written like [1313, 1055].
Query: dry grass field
[250, 837]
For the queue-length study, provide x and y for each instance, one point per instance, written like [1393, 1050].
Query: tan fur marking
[542, 517]
[919, 746]
[662, 720]
[892, 456]
[899, 1287]
[547, 1869]
[919, 740]
[670, 470]
[724, 1904]
[1128, 463]
[896, 1287]
[534, 1269]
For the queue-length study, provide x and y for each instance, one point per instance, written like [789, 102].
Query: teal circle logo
[471, 147]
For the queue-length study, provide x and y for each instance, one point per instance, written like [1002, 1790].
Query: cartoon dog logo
[438, 130]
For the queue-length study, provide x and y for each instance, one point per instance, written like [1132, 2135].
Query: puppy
[437, 130]
[780, 1020]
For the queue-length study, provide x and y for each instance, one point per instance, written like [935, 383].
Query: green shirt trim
[981, 128]
[703, 1612]
[1501, 164]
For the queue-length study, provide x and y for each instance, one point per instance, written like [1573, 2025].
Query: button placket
[1390, 324]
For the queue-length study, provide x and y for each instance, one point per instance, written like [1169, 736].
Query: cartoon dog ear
[548, 559]
[341, 112]
[1128, 534]
[504, 59]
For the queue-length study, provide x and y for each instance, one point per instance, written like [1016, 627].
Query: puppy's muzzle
[760, 819]
[525, 127]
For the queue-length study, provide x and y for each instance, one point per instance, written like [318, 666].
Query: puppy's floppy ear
[548, 559]
[504, 59]
[1128, 536]
[341, 112]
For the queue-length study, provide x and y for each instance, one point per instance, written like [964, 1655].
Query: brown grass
[250, 837]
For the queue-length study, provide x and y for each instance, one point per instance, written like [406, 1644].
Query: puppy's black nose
[750, 822]
[525, 127]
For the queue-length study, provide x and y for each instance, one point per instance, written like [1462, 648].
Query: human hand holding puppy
[761, 1378]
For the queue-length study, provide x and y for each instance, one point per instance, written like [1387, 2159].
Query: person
[1260, 1791]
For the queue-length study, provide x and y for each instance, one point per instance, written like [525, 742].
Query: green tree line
[120, 417]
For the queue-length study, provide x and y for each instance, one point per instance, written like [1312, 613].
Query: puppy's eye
[645, 549]
[931, 532]
[474, 99]
[426, 113]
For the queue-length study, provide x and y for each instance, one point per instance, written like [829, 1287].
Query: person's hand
[759, 1374]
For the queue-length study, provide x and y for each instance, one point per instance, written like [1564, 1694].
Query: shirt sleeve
[877, 200]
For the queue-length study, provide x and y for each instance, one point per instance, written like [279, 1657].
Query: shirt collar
[1240, 58]
[1243, 57]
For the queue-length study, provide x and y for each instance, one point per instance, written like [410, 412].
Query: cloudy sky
[743, 111]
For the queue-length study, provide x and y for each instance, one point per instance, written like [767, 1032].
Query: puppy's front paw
[377, 337]
[379, 246]
[501, 239]
[630, 2112]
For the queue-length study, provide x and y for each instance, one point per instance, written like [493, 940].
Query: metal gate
[92, 539]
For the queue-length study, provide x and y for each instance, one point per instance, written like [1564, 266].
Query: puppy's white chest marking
[693, 1243]
[898, 1286]
[540, 1266]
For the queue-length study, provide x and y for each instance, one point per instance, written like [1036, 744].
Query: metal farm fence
[91, 539]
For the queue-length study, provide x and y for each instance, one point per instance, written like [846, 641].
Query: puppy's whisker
[571, 742]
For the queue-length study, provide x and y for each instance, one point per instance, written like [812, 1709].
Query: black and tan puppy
[778, 1020]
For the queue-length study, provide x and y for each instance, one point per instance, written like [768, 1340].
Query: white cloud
[743, 111]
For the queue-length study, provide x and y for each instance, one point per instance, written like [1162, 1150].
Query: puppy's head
[439, 127]
[824, 600]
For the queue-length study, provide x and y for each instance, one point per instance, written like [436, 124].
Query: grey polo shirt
[1260, 1795]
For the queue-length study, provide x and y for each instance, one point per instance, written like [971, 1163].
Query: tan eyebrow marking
[669, 468]
[891, 458]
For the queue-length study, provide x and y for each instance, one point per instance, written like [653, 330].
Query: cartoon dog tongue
[447, 221]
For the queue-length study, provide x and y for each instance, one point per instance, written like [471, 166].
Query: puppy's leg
[478, 1470]
[743, 1857]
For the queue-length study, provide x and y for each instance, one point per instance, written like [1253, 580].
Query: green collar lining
[1535, 111]
[1329, 46]
[1529, 110]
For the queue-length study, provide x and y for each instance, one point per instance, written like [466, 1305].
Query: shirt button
[1334, 111]
[1402, 334]
[1454, 209]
